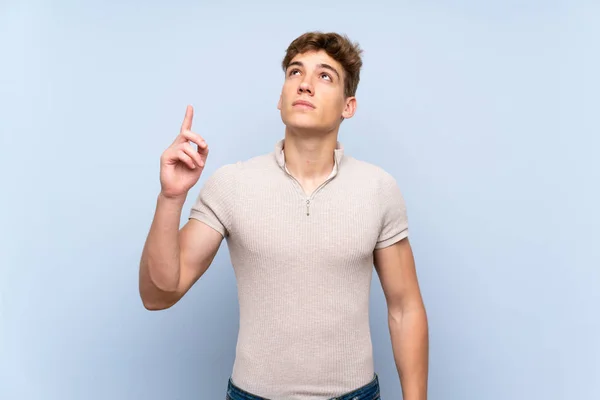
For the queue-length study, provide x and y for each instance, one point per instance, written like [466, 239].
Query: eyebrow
[325, 66]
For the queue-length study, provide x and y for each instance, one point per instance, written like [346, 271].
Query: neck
[309, 157]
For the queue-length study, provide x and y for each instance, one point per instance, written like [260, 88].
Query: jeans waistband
[370, 391]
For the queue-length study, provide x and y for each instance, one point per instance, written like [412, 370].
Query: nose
[305, 88]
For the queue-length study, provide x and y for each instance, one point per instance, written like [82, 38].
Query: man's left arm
[407, 318]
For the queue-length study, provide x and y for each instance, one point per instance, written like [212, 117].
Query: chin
[302, 123]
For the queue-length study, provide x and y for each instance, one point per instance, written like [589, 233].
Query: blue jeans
[368, 392]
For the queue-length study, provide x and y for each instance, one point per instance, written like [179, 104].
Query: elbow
[152, 306]
[155, 304]
[157, 293]
[154, 298]
[164, 282]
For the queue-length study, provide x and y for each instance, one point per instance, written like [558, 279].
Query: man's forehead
[315, 57]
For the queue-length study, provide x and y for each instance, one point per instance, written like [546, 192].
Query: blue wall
[485, 112]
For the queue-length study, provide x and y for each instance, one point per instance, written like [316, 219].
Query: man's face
[313, 97]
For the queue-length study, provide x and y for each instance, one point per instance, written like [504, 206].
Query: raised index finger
[187, 120]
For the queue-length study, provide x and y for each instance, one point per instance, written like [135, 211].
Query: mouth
[303, 104]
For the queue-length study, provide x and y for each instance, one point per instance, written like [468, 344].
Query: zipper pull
[307, 207]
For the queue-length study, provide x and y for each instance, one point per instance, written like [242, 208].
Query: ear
[279, 103]
[350, 108]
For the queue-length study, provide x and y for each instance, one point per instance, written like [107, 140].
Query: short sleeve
[394, 221]
[215, 202]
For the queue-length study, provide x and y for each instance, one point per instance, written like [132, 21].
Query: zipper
[312, 195]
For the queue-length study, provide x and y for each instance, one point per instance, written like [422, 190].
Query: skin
[407, 318]
[174, 259]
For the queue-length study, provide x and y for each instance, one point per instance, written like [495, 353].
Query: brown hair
[338, 47]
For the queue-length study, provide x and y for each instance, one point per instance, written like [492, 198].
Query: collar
[338, 154]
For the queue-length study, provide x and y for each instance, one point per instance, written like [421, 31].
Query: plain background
[487, 114]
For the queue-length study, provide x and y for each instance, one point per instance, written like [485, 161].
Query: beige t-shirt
[303, 265]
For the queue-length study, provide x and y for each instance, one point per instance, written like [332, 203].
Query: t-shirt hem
[208, 221]
[394, 239]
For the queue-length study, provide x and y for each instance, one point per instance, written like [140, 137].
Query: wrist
[178, 200]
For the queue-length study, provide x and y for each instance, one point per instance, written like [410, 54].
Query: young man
[304, 224]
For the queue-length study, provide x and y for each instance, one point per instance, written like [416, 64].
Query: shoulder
[258, 162]
[368, 172]
[377, 184]
[224, 174]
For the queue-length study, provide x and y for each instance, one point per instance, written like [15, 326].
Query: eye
[293, 71]
[325, 75]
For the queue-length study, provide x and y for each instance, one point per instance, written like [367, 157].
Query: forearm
[160, 266]
[410, 342]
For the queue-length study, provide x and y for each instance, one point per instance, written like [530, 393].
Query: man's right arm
[174, 259]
